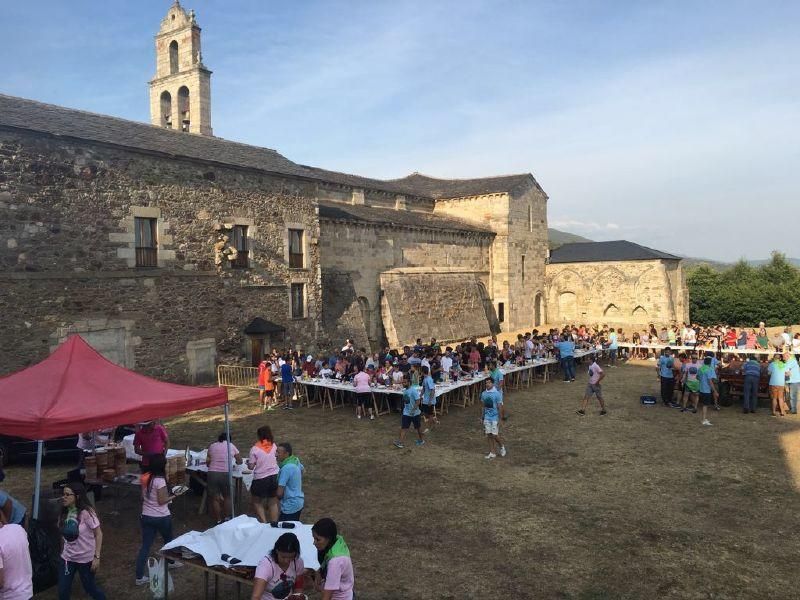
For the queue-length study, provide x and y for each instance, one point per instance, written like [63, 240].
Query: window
[146, 242]
[501, 311]
[239, 241]
[298, 297]
[173, 56]
[523, 269]
[530, 218]
[296, 258]
[183, 108]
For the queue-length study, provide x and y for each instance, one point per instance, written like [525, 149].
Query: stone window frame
[227, 226]
[127, 238]
[306, 246]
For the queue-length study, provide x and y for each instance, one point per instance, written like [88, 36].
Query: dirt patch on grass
[641, 503]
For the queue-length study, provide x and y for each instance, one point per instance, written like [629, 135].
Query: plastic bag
[156, 569]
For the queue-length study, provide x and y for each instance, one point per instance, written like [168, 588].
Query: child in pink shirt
[15, 563]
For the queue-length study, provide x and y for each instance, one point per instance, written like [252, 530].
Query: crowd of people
[689, 381]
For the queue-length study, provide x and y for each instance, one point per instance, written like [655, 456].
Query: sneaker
[503, 451]
[706, 422]
[717, 407]
[572, 380]
[580, 412]
[372, 417]
[420, 442]
[427, 430]
[142, 580]
[490, 456]
[603, 412]
[674, 405]
[358, 416]
[399, 444]
[270, 408]
[285, 407]
[290, 407]
[694, 411]
[684, 410]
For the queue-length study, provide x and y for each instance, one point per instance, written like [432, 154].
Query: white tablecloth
[246, 539]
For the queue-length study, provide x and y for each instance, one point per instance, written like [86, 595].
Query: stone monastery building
[169, 249]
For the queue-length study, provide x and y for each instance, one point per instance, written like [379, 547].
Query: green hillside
[559, 238]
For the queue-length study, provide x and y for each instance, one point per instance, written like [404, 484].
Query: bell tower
[180, 92]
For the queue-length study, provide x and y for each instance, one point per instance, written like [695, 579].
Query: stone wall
[519, 220]
[459, 308]
[355, 255]
[617, 293]
[66, 212]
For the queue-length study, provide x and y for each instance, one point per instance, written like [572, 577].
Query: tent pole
[230, 458]
[38, 482]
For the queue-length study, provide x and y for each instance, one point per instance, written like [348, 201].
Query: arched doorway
[538, 310]
[639, 314]
[611, 311]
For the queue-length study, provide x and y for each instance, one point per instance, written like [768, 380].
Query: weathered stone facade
[65, 213]
[625, 292]
[170, 251]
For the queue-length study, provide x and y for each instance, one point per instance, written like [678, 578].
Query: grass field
[642, 503]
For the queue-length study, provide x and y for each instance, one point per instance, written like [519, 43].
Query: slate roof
[431, 187]
[21, 113]
[396, 218]
[66, 122]
[606, 251]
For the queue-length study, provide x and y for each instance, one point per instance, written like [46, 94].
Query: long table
[334, 393]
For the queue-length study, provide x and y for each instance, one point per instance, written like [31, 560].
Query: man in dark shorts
[593, 388]
[411, 414]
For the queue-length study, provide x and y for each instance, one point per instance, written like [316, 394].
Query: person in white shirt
[447, 364]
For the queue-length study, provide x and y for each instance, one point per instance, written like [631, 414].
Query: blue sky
[672, 124]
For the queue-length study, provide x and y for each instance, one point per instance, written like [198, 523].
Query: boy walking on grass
[493, 411]
[593, 388]
[708, 387]
[411, 414]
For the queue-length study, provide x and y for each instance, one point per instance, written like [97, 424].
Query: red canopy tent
[76, 389]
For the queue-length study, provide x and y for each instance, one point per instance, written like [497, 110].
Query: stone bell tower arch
[180, 92]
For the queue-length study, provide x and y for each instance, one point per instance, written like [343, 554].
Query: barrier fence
[237, 377]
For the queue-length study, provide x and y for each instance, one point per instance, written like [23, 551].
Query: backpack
[44, 556]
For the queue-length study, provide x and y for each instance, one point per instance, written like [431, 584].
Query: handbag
[156, 569]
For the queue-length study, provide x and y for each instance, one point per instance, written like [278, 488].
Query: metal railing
[237, 377]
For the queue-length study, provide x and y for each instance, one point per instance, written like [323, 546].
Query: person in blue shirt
[777, 385]
[287, 382]
[290, 483]
[667, 377]
[566, 350]
[613, 347]
[411, 414]
[492, 412]
[428, 400]
[709, 395]
[752, 379]
[793, 369]
[11, 510]
[497, 377]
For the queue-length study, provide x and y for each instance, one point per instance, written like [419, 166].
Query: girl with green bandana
[335, 577]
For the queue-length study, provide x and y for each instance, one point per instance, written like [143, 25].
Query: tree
[744, 295]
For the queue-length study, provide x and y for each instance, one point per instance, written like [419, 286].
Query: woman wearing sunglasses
[280, 573]
[83, 542]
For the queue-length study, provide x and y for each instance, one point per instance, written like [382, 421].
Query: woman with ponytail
[264, 464]
[335, 577]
